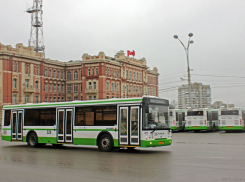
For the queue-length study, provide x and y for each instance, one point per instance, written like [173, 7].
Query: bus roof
[79, 102]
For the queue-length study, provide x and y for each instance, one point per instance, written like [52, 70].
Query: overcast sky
[72, 28]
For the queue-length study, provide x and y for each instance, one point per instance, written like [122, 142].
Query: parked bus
[108, 124]
[202, 119]
[231, 119]
[177, 119]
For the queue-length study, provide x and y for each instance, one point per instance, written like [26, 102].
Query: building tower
[36, 36]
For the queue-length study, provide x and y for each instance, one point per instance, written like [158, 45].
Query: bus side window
[243, 115]
[7, 115]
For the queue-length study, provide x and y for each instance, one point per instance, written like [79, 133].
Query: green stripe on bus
[84, 141]
[197, 128]
[52, 140]
[6, 128]
[95, 129]
[38, 129]
[72, 103]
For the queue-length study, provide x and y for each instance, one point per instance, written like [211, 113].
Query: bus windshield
[157, 118]
[230, 112]
[195, 113]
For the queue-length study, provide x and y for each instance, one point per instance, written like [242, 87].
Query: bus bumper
[156, 143]
[225, 128]
[192, 128]
[174, 128]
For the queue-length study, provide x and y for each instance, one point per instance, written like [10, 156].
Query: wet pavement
[203, 156]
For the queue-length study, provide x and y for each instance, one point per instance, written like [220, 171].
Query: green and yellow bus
[108, 124]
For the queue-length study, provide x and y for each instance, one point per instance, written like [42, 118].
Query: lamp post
[188, 67]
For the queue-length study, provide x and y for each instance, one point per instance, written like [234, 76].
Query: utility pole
[188, 67]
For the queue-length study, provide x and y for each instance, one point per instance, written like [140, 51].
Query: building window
[81, 87]
[36, 99]
[94, 85]
[54, 73]
[126, 74]
[14, 98]
[130, 88]
[63, 75]
[107, 86]
[68, 75]
[58, 74]
[45, 72]
[50, 99]
[27, 82]
[75, 88]
[107, 97]
[92, 71]
[89, 85]
[46, 87]
[133, 75]
[96, 71]
[140, 77]
[81, 74]
[50, 87]
[117, 87]
[63, 99]
[134, 89]
[50, 73]
[46, 99]
[62, 88]
[14, 83]
[26, 98]
[88, 71]
[36, 84]
[75, 75]
[112, 87]
[59, 88]
[54, 99]
[130, 75]
[81, 97]
[68, 98]
[68, 88]
[94, 97]
[75, 98]
[58, 99]
[90, 97]
[54, 87]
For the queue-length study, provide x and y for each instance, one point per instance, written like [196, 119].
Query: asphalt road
[201, 156]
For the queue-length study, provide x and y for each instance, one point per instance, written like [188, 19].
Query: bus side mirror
[147, 107]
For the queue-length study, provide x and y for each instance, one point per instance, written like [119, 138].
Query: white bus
[108, 124]
[177, 119]
[231, 119]
[202, 119]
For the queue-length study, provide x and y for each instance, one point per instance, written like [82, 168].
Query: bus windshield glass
[230, 112]
[157, 118]
[194, 113]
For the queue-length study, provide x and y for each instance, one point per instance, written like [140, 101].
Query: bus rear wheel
[105, 143]
[33, 140]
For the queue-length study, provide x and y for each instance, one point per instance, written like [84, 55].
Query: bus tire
[105, 143]
[33, 140]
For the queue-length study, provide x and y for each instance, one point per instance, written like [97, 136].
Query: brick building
[26, 77]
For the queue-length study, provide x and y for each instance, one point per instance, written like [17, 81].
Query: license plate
[195, 126]
[160, 142]
[230, 126]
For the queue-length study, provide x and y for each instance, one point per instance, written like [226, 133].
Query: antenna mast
[36, 36]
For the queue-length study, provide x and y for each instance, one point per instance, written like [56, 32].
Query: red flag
[131, 53]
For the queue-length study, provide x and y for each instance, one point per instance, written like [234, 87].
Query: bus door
[129, 126]
[180, 119]
[16, 125]
[64, 125]
[209, 117]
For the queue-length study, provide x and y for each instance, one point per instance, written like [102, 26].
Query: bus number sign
[48, 131]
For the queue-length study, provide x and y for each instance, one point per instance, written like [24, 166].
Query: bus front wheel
[105, 143]
[32, 140]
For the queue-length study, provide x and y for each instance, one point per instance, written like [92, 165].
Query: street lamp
[188, 67]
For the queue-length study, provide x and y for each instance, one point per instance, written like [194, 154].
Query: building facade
[200, 96]
[26, 77]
